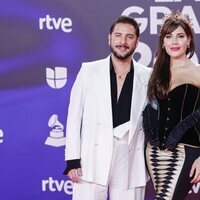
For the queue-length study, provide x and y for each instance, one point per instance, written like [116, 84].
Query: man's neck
[121, 65]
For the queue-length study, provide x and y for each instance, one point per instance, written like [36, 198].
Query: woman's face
[176, 43]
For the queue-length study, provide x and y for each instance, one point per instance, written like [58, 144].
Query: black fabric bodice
[181, 102]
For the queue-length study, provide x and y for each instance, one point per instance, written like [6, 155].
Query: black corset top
[181, 102]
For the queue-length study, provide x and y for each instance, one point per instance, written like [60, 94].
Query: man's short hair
[126, 20]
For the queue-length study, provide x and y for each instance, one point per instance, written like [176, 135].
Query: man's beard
[122, 57]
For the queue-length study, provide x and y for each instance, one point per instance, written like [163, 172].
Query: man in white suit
[104, 140]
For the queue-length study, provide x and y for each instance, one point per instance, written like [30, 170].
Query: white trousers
[117, 185]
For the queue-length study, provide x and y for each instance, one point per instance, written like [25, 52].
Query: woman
[173, 149]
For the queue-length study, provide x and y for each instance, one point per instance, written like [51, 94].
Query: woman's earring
[188, 46]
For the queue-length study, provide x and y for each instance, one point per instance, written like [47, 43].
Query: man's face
[123, 41]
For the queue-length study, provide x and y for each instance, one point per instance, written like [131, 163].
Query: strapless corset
[181, 102]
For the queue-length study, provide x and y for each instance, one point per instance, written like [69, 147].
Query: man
[105, 141]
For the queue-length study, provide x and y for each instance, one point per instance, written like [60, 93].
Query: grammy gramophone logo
[56, 136]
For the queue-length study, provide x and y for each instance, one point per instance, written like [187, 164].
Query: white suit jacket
[89, 132]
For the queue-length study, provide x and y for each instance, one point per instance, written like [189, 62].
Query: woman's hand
[195, 171]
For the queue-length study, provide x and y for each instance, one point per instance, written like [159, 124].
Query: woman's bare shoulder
[196, 73]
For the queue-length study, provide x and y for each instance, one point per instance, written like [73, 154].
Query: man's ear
[109, 36]
[138, 40]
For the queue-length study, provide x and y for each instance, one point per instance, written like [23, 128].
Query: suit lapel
[104, 92]
[138, 99]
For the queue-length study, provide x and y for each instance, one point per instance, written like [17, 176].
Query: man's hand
[74, 174]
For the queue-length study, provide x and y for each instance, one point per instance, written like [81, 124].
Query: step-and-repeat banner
[42, 45]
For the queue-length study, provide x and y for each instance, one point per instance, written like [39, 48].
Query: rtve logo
[54, 185]
[52, 23]
[56, 78]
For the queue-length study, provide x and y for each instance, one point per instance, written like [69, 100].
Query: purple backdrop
[43, 44]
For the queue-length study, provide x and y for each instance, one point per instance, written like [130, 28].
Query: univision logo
[57, 77]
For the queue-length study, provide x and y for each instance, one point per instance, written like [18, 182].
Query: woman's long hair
[160, 78]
